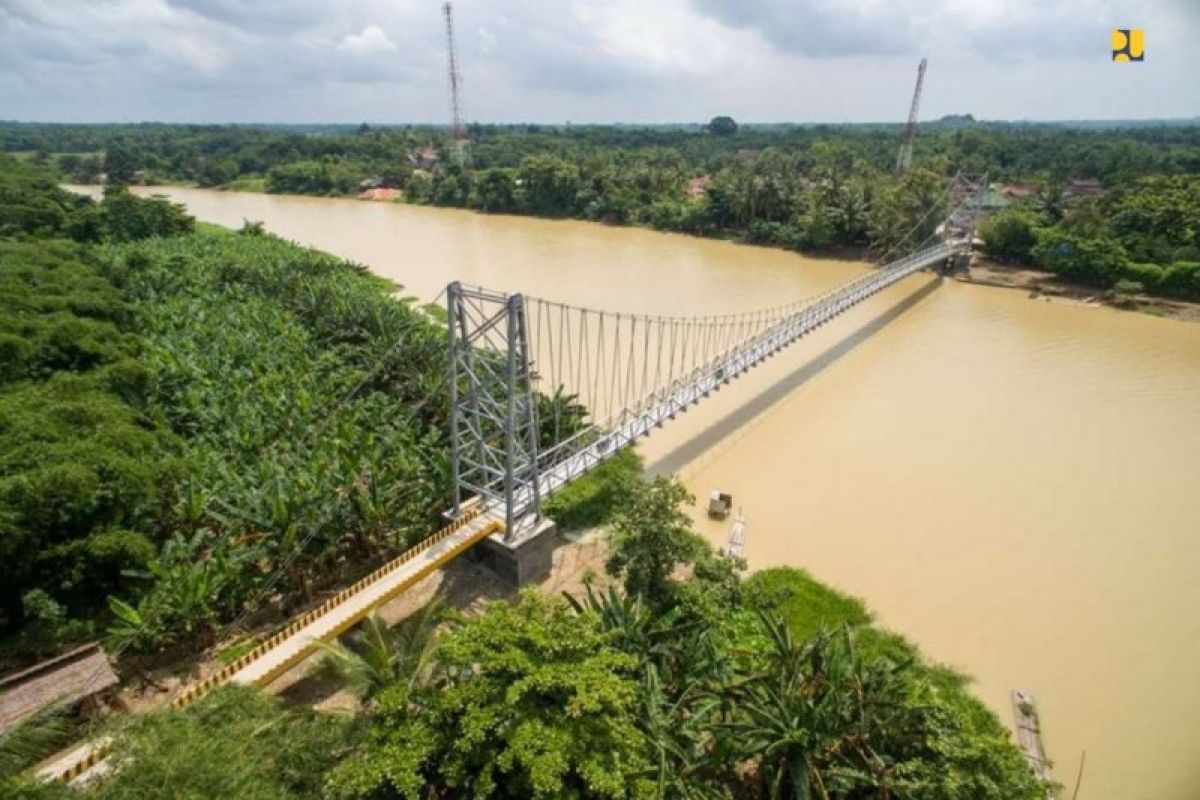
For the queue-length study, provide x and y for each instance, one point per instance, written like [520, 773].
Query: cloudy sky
[591, 60]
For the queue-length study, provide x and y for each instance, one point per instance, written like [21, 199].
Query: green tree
[451, 187]
[380, 656]
[560, 416]
[217, 171]
[1010, 235]
[1156, 219]
[1050, 200]
[536, 704]
[1182, 279]
[722, 126]
[653, 537]
[418, 188]
[549, 186]
[1099, 261]
[936, 741]
[849, 211]
[496, 190]
[119, 164]
[813, 715]
[129, 218]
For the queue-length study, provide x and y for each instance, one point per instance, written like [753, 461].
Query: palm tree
[380, 656]
[676, 662]
[560, 416]
[676, 729]
[1050, 200]
[813, 712]
[851, 211]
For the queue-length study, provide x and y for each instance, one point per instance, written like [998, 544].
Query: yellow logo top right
[1128, 44]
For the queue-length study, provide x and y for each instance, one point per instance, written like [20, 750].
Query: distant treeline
[808, 188]
[1007, 151]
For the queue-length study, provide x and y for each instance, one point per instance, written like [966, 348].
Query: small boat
[719, 504]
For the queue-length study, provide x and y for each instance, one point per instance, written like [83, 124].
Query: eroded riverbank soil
[1046, 286]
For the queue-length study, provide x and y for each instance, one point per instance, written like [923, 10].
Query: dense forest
[809, 188]
[199, 424]
[191, 417]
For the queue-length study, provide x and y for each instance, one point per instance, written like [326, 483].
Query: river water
[1013, 484]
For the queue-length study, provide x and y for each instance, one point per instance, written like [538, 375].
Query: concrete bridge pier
[525, 558]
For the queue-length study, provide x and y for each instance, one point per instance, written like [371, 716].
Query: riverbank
[1045, 285]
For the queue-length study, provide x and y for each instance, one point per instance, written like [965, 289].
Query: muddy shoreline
[1048, 287]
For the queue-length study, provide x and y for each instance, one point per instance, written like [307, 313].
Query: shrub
[236, 742]
[1149, 276]
[1182, 279]
[1010, 235]
[1099, 261]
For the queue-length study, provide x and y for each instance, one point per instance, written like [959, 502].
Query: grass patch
[809, 605]
[248, 185]
[596, 497]
[804, 602]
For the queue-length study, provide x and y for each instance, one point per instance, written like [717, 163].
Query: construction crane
[458, 137]
[904, 159]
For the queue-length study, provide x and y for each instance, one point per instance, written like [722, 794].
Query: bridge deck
[694, 387]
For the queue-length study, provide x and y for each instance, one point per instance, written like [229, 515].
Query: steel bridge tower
[904, 158]
[493, 412]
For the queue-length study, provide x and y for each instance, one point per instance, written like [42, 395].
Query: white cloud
[589, 60]
[372, 39]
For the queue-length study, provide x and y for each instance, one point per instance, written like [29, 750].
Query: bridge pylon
[962, 223]
[493, 411]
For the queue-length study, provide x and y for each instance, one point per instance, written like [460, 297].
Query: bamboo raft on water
[1029, 733]
[737, 536]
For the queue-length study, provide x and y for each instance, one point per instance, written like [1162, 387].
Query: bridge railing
[815, 307]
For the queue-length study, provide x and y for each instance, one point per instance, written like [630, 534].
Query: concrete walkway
[261, 671]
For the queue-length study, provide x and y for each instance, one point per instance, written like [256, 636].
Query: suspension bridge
[543, 392]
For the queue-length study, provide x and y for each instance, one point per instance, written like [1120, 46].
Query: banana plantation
[196, 424]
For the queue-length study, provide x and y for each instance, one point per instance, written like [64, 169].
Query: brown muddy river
[1013, 484]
